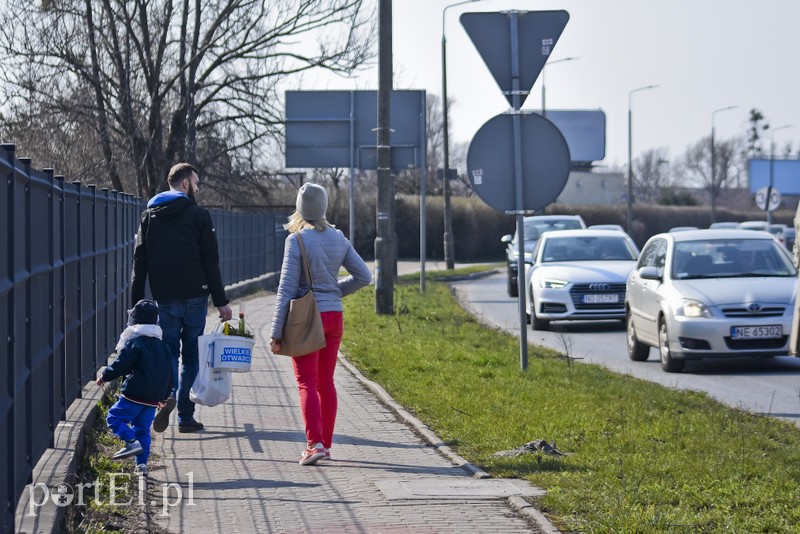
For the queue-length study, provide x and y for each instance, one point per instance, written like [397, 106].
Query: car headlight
[529, 257]
[692, 308]
[552, 283]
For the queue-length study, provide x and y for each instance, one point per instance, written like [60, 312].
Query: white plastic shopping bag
[212, 386]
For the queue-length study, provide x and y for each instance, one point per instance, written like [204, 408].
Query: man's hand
[225, 313]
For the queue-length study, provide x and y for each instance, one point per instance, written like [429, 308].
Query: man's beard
[190, 192]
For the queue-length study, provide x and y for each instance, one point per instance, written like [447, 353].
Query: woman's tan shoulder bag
[302, 331]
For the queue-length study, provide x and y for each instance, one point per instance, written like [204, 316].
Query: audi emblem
[754, 307]
[599, 287]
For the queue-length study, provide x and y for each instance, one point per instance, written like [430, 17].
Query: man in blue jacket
[145, 362]
[177, 249]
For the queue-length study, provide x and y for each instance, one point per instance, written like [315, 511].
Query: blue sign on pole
[337, 129]
[537, 34]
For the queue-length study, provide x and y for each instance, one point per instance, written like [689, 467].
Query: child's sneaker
[140, 470]
[131, 448]
[312, 455]
[161, 420]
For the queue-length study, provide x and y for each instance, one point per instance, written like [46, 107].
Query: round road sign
[545, 162]
[774, 199]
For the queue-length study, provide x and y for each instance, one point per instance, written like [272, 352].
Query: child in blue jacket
[145, 362]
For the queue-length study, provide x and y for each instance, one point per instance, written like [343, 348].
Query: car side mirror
[650, 273]
[506, 239]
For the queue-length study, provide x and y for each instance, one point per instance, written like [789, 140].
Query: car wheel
[536, 323]
[512, 287]
[668, 363]
[637, 351]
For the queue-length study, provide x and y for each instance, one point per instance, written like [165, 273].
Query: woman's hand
[275, 345]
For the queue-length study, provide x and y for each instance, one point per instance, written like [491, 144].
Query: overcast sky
[703, 54]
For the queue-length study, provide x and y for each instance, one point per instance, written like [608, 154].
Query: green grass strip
[640, 457]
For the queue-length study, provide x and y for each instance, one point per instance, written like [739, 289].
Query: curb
[59, 463]
[518, 504]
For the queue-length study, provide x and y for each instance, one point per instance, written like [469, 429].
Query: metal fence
[64, 292]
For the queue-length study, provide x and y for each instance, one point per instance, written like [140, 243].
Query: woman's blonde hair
[297, 223]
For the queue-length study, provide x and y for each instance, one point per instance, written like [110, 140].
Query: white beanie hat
[312, 202]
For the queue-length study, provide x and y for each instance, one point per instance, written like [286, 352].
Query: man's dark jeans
[182, 321]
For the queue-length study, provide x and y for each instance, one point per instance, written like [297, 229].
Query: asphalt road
[769, 386]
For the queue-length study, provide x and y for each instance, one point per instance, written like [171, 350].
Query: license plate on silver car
[601, 299]
[757, 332]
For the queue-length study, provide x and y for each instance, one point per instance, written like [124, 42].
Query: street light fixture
[714, 165]
[772, 165]
[448, 233]
[630, 149]
[544, 113]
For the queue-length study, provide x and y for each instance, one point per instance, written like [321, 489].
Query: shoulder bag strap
[304, 259]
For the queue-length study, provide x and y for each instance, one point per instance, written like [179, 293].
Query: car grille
[579, 290]
[754, 344]
[775, 311]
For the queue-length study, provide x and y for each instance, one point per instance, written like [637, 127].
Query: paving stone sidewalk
[241, 473]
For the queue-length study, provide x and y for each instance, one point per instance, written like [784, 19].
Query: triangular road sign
[537, 34]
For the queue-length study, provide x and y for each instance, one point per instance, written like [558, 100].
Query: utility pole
[384, 242]
[714, 188]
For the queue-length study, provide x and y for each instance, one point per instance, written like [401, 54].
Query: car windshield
[587, 248]
[730, 258]
[533, 229]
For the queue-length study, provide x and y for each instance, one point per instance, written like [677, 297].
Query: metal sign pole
[352, 168]
[518, 187]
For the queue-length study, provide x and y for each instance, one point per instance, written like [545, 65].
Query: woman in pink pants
[328, 250]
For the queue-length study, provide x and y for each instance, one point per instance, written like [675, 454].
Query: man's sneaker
[140, 470]
[190, 425]
[327, 453]
[131, 448]
[312, 455]
[161, 420]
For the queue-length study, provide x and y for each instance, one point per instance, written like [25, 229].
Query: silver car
[578, 275]
[710, 294]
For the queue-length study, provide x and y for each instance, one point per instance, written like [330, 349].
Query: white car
[535, 225]
[710, 294]
[578, 275]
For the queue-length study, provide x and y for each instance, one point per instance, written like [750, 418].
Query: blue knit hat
[145, 312]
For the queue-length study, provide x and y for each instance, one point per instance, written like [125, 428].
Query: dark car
[535, 226]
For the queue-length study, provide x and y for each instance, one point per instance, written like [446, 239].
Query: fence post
[8, 483]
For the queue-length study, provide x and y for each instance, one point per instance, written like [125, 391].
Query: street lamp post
[714, 165]
[544, 113]
[448, 233]
[630, 155]
[772, 166]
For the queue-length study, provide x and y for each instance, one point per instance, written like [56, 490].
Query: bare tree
[156, 81]
[652, 175]
[697, 164]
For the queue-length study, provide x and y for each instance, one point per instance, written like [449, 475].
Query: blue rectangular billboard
[584, 131]
[785, 175]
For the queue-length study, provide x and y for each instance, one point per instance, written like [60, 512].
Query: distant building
[594, 188]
